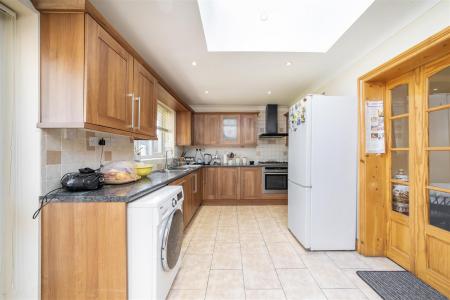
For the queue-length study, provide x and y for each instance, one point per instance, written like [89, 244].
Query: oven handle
[275, 173]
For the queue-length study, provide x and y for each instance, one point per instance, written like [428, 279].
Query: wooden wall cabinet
[225, 129]
[183, 128]
[89, 80]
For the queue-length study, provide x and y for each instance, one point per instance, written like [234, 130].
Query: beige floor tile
[200, 247]
[381, 264]
[258, 269]
[264, 294]
[344, 294]
[325, 272]
[284, 256]
[250, 235]
[347, 259]
[253, 245]
[227, 234]
[200, 261]
[191, 279]
[227, 256]
[225, 284]
[274, 237]
[361, 285]
[299, 284]
[186, 295]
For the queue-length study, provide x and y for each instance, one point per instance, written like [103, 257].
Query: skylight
[277, 25]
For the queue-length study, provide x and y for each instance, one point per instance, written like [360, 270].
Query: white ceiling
[169, 35]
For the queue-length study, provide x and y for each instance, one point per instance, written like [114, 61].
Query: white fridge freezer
[322, 186]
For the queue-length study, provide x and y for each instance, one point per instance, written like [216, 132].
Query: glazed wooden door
[211, 129]
[145, 101]
[210, 180]
[400, 133]
[199, 129]
[248, 130]
[230, 130]
[109, 80]
[251, 183]
[434, 198]
[228, 183]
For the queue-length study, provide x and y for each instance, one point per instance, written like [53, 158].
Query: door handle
[132, 109]
[139, 112]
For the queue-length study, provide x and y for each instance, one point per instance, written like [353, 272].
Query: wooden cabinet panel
[186, 183]
[84, 251]
[199, 129]
[109, 79]
[145, 105]
[183, 128]
[211, 129]
[230, 128]
[251, 185]
[197, 190]
[248, 130]
[228, 183]
[210, 180]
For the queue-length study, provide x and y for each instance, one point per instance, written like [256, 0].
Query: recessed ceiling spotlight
[288, 64]
[269, 92]
[435, 90]
[264, 16]
[206, 92]
[194, 63]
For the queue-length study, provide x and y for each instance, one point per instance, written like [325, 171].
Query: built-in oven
[275, 179]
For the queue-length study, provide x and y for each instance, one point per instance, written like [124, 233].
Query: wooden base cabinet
[84, 251]
[251, 184]
[89, 80]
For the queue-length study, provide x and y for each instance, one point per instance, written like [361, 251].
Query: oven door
[275, 182]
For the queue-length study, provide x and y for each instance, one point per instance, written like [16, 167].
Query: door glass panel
[439, 88]
[399, 165]
[399, 100]
[400, 133]
[230, 127]
[439, 209]
[439, 169]
[439, 128]
[400, 198]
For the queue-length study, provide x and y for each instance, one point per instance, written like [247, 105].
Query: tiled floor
[247, 252]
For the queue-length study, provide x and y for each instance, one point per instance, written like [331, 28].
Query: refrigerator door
[299, 152]
[334, 173]
[299, 213]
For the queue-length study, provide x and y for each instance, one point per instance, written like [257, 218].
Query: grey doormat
[399, 285]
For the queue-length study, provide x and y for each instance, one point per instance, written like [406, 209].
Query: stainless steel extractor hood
[272, 123]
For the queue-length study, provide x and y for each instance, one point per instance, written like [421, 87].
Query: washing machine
[155, 234]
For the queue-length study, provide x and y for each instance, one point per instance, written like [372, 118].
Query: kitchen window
[166, 137]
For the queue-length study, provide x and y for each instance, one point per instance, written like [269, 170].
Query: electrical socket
[93, 141]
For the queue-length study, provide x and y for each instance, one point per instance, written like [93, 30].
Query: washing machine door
[172, 240]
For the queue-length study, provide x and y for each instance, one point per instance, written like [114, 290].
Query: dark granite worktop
[130, 191]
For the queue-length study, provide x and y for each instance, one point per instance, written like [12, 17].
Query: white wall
[23, 241]
[345, 82]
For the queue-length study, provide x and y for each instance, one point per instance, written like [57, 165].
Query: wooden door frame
[372, 171]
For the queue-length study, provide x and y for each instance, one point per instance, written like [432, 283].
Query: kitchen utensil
[207, 158]
[244, 161]
[252, 162]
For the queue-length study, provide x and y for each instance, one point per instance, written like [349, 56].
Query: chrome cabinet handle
[132, 109]
[139, 112]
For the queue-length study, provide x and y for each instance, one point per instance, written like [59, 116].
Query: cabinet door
[109, 79]
[199, 129]
[230, 130]
[210, 183]
[248, 130]
[251, 184]
[184, 128]
[212, 129]
[145, 101]
[228, 186]
[197, 190]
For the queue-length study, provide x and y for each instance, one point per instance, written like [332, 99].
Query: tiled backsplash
[266, 149]
[67, 150]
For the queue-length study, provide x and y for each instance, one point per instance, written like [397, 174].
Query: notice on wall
[375, 138]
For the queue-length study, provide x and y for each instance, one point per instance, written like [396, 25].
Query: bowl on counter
[143, 169]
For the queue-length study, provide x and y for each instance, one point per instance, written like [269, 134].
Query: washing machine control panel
[167, 207]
